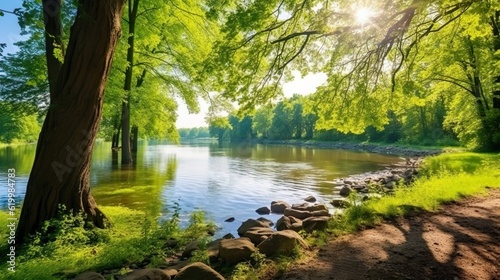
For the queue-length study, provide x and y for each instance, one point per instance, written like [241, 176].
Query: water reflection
[225, 181]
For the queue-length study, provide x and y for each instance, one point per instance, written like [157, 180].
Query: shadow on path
[461, 241]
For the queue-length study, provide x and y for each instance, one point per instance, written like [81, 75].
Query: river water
[224, 181]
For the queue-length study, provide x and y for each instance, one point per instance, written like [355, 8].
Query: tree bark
[126, 149]
[53, 40]
[135, 135]
[61, 169]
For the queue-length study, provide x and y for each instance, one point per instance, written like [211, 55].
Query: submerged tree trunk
[126, 149]
[60, 173]
[134, 140]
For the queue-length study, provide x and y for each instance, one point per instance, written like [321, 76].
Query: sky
[10, 33]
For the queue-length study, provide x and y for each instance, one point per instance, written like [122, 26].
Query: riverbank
[460, 241]
[366, 147]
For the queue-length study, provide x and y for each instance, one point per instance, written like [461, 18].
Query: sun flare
[363, 15]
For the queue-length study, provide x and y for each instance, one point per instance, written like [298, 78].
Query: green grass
[445, 178]
[134, 236]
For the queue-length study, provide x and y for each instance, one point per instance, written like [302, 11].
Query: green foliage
[17, 124]
[262, 121]
[194, 132]
[69, 245]
[241, 129]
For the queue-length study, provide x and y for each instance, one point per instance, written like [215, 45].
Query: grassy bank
[67, 247]
[444, 178]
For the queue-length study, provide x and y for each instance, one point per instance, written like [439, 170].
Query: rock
[267, 221]
[250, 223]
[228, 236]
[315, 223]
[310, 208]
[213, 249]
[236, 250]
[171, 272]
[171, 244]
[147, 274]
[310, 199]
[190, 248]
[345, 191]
[289, 222]
[259, 234]
[297, 213]
[281, 242]
[263, 210]
[320, 213]
[229, 220]
[198, 271]
[89, 275]
[389, 185]
[340, 203]
[279, 206]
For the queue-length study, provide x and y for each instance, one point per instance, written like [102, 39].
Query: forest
[417, 72]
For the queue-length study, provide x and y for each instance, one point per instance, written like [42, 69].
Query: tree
[218, 127]
[262, 121]
[366, 62]
[60, 173]
[281, 127]
[164, 45]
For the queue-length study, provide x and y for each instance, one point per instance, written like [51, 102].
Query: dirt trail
[461, 241]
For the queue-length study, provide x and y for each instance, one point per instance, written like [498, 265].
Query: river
[224, 181]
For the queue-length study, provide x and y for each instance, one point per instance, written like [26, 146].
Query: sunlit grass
[446, 178]
[133, 236]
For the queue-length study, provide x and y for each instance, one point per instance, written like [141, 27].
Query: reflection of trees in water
[138, 186]
[19, 157]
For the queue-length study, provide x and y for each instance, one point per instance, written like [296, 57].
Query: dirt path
[461, 241]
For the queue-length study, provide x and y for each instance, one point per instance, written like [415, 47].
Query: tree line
[296, 118]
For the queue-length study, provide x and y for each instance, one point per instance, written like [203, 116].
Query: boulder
[310, 199]
[89, 275]
[279, 206]
[345, 191]
[267, 221]
[147, 274]
[198, 271]
[229, 220]
[250, 223]
[340, 203]
[236, 250]
[315, 223]
[289, 222]
[228, 236]
[310, 208]
[282, 243]
[297, 213]
[258, 234]
[190, 248]
[263, 210]
[213, 249]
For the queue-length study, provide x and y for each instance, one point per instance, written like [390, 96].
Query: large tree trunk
[60, 173]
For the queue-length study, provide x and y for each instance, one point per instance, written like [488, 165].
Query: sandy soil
[461, 241]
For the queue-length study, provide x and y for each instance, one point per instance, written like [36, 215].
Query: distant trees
[17, 124]
[193, 133]
[295, 118]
